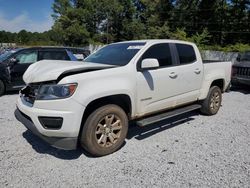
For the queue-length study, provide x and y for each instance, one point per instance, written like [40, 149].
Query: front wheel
[211, 105]
[105, 130]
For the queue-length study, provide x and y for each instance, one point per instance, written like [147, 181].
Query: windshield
[6, 55]
[245, 56]
[116, 54]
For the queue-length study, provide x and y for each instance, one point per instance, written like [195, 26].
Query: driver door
[157, 88]
[22, 61]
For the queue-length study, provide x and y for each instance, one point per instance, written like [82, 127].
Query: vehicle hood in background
[50, 70]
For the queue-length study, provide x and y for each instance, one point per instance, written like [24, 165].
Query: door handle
[173, 75]
[197, 71]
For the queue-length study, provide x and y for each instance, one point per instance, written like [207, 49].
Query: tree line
[205, 22]
[24, 37]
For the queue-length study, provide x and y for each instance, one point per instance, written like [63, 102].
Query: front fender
[99, 84]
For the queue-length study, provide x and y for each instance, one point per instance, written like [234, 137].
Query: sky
[31, 15]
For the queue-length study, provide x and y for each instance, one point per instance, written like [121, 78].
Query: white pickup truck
[91, 103]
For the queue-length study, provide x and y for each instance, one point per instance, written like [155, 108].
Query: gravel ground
[189, 151]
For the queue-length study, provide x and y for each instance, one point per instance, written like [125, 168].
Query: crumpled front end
[55, 121]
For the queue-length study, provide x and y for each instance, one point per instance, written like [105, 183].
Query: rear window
[186, 53]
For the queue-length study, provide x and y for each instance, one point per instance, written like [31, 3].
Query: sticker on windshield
[138, 47]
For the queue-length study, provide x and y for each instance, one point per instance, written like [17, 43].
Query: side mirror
[149, 64]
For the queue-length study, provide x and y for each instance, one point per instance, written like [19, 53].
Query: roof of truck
[157, 40]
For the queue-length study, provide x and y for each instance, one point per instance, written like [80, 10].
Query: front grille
[243, 71]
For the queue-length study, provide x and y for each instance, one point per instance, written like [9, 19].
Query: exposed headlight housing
[52, 92]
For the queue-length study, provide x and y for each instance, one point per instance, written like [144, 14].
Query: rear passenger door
[190, 73]
[158, 89]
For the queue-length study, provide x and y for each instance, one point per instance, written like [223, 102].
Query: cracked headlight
[50, 92]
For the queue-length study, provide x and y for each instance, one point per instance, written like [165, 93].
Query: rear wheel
[104, 130]
[2, 88]
[211, 105]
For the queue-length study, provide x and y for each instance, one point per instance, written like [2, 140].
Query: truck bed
[217, 70]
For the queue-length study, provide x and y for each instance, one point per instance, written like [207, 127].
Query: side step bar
[166, 115]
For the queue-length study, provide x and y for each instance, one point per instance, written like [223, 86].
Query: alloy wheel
[108, 130]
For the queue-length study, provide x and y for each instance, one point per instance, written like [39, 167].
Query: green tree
[155, 16]
[239, 21]
[23, 37]
[201, 39]
[185, 15]
[205, 22]
[88, 21]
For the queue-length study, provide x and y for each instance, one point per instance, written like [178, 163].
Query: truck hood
[50, 70]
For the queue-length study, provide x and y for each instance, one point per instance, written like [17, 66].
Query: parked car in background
[5, 50]
[6, 53]
[91, 103]
[241, 70]
[14, 64]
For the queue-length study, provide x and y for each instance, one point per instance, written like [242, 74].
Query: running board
[166, 115]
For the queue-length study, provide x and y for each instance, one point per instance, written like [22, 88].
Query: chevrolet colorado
[91, 103]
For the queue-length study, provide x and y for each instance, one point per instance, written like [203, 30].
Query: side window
[186, 53]
[27, 57]
[161, 52]
[76, 54]
[53, 55]
[72, 56]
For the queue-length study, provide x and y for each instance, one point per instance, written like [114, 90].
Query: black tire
[2, 88]
[211, 105]
[104, 131]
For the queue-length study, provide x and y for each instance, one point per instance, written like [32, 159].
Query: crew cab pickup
[91, 103]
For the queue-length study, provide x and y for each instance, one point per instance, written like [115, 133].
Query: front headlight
[50, 92]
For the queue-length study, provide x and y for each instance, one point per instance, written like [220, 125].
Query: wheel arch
[121, 100]
[210, 82]
[220, 83]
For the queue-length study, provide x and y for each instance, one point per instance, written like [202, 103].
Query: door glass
[161, 52]
[186, 53]
[27, 57]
